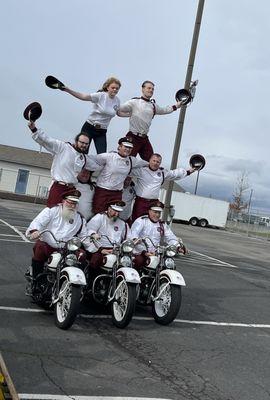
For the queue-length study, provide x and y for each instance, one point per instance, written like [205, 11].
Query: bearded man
[108, 224]
[64, 222]
[68, 161]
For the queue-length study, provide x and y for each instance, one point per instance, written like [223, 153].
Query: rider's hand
[34, 235]
[106, 251]
[95, 236]
[149, 253]
[182, 249]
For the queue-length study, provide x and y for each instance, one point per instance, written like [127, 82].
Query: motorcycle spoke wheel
[123, 304]
[67, 307]
[166, 308]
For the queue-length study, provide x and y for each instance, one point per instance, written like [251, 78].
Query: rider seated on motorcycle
[108, 224]
[64, 222]
[160, 233]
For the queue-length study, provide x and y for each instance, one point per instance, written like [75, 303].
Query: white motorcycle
[59, 286]
[161, 285]
[117, 283]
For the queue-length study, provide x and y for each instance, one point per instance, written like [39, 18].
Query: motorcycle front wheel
[67, 307]
[123, 304]
[166, 308]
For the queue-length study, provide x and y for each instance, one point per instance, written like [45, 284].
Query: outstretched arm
[78, 95]
[54, 146]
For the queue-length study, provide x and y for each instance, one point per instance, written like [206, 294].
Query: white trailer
[198, 210]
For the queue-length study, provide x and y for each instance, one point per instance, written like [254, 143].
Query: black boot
[35, 269]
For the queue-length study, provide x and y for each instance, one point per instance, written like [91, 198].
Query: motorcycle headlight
[125, 261]
[171, 251]
[74, 244]
[127, 246]
[169, 263]
[70, 260]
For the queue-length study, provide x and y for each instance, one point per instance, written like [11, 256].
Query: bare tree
[239, 202]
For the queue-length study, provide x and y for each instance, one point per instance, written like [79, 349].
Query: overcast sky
[82, 42]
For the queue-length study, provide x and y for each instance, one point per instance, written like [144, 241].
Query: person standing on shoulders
[105, 105]
[87, 189]
[116, 166]
[150, 178]
[141, 111]
[128, 196]
[68, 160]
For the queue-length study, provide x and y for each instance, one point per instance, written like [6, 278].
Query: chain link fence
[253, 224]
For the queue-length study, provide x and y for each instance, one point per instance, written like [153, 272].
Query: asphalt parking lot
[218, 348]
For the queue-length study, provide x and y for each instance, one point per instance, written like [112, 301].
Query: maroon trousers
[141, 146]
[56, 192]
[102, 197]
[140, 207]
[42, 251]
[139, 261]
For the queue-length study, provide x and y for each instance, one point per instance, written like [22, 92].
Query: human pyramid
[114, 205]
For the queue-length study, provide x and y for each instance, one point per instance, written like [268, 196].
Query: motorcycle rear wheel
[167, 307]
[67, 307]
[123, 304]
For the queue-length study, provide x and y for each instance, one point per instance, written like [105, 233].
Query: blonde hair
[108, 82]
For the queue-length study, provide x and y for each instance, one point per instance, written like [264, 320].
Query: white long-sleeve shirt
[128, 196]
[85, 204]
[67, 161]
[51, 219]
[143, 227]
[141, 113]
[149, 182]
[115, 169]
[117, 230]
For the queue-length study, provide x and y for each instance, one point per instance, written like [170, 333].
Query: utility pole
[197, 180]
[182, 114]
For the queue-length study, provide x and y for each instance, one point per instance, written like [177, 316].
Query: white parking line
[215, 259]
[15, 230]
[136, 318]
[60, 397]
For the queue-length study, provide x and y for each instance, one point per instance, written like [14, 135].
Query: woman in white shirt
[105, 105]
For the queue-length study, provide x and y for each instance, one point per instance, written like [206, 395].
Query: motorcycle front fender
[75, 275]
[174, 276]
[130, 274]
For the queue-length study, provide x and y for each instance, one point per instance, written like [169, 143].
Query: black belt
[69, 185]
[97, 126]
[139, 134]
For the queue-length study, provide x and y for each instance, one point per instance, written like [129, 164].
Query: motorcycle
[59, 286]
[161, 284]
[117, 283]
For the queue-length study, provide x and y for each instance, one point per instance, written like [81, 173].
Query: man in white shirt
[87, 189]
[151, 225]
[128, 197]
[149, 181]
[64, 222]
[141, 111]
[68, 160]
[107, 223]
[116, 166]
